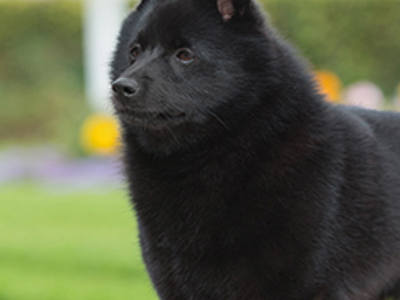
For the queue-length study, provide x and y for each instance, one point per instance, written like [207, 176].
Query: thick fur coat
[246, 184]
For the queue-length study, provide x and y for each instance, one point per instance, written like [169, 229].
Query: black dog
[246, 184]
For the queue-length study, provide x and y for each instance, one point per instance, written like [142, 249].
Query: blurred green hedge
[356, 39]
[41, 70]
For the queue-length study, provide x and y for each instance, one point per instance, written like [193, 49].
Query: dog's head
[180, 67]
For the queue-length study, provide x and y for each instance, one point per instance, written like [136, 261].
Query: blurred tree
[356, 39]
[41, 74]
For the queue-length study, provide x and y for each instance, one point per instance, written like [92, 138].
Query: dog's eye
[135, 52]
[185, 55]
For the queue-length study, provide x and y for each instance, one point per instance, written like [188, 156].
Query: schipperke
[246, 184]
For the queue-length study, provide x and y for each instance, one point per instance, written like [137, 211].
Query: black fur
[246, 184]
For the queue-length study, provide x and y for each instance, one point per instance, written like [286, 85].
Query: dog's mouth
[153, 119]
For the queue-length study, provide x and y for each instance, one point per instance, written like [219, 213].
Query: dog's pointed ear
[230, 8]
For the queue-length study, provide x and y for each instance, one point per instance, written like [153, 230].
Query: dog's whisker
[219, 119]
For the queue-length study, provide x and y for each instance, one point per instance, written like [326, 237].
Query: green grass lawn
[74, 246]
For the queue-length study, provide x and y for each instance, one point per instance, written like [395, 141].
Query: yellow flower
[330, 85]
[100, 134]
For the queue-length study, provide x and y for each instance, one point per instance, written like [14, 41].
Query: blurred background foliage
[41, 72]
[356, 39]
[41, 68]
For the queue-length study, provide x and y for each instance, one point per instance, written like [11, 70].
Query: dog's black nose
[125, 88]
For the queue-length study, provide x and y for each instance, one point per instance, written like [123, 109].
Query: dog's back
[386, 126]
